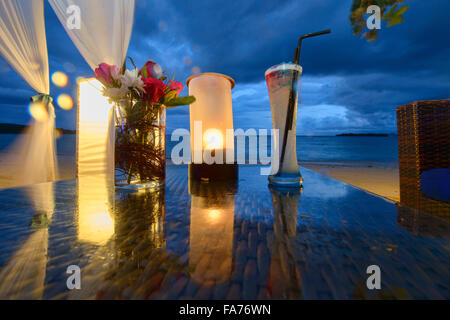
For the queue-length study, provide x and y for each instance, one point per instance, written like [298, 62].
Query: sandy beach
[380, 180]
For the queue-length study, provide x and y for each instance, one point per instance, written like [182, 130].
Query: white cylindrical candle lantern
[211, 122]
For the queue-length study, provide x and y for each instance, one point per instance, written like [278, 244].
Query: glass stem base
[287, 180]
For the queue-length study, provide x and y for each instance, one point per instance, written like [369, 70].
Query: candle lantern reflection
[211, 231]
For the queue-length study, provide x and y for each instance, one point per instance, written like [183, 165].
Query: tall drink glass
[279, 78]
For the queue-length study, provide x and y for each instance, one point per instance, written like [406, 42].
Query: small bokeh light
[69, 67]
[187, 61]
[195, 70]
[65, 101]
[60, 79]
[162, 26]
[38, 111]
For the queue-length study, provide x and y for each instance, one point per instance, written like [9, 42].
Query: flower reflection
[140, 219]
[211, 231]
[134, 263]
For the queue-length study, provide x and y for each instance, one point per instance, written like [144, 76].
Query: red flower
[150, 70]
[154, 89]
[176, 86]
[105, 73]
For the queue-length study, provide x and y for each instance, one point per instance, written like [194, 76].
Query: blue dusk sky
[348, 84]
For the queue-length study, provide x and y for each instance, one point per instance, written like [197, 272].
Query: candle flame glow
[213, 139]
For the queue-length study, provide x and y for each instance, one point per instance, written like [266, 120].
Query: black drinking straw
[290, 113]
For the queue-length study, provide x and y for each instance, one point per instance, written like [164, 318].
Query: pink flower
[107, 74]
[176, 86]
[150, 70]
[154, 89]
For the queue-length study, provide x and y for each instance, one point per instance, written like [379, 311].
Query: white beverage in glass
[279, 83]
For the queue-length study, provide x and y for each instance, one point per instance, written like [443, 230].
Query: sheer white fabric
[22, 41]
[103, 36]
[23, 44]
[105, 28]
[32, 158]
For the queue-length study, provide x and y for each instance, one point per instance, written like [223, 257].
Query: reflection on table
[217, 241]
[23, 277]
[95, 196]
[283, 269]
[211, 231]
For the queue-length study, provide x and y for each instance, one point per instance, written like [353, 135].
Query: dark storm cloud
[348, 83]
[368, 80]
[244, 38]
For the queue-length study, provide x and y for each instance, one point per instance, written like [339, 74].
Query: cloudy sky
[348, 84]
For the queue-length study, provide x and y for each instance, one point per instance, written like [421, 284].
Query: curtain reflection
[211, 231]
[23, 277]
[284, 277]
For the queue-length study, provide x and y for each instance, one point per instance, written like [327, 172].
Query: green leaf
[180, 101]
[402, 10]
[124, 66]
[144, 72]
[390, 13]
[169, 96]
[394, 21]
[132, 62]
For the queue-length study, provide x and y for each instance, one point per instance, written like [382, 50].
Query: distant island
[362, 135]
[10, 128]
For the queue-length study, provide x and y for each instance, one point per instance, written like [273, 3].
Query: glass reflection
[284, 277]
[211, 231]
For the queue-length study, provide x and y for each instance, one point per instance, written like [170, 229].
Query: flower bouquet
[140, 99]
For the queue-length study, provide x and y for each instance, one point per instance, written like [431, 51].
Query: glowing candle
[213, 139]
[211, 121]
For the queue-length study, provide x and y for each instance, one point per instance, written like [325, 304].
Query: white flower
[115, 94]
[132, 80]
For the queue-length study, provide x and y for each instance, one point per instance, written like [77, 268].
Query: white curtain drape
[32, 158]
[23, 44]
[103, 36]
[105, 28]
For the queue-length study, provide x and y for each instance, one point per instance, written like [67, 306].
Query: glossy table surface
[241, 240]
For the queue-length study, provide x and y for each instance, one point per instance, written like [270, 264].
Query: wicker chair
[424, 144]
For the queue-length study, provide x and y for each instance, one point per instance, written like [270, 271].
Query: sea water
[341, 149]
